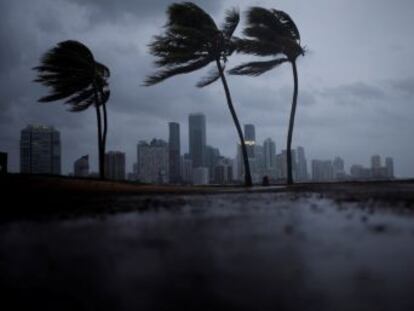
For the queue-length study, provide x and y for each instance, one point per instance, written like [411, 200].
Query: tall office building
[302, 166]
[197, 139]
[269, 151]
[152, 159]
[81, 167]
[40, 150]
[250, 139]
[322, 170]
[339, 168]
[186, 169]
[174, 152]
[389, 166]
[115, 165]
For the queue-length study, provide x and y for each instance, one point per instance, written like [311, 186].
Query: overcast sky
[356, 83]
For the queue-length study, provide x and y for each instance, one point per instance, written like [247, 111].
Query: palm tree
[272, 33]
[191, 41]
[71, 72]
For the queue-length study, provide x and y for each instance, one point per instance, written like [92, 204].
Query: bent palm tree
[191, 41]
[72, 73]
[272, 33]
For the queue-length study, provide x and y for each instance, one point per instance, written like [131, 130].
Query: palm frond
[230, 23]
[70, 71]
[210, 78]
[256, 47]
[257, 68]
[288, 24]
[176, 70]
[188, 14]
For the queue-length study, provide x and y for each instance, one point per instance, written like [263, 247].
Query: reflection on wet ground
[257, 251]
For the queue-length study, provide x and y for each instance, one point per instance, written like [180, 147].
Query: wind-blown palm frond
[211, 77]
[71, 72]
[257, 68]
[190, 42]
[188, 14]
[230, 23]
[176, 70]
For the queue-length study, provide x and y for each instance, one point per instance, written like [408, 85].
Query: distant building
[200, 176]
[115, 165]
[212, 158]
[186, 169]
[339, 169]
[223, 171]
[358, 172]
[269, 154]
[389, 165]
[3, 163]
[197, 139]
[174, 153]
[152, 159]
[322, 170]
[250, 139]
[81, 167]
[301, 165]
[40, 150]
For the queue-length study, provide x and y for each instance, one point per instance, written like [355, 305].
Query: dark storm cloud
[101, 10]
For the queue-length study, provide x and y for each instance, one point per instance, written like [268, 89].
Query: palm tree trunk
[105, 131]
[101, 155]
[247, 175]
[291, 124]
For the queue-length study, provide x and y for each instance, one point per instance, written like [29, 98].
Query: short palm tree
[272, 33]
[71, 72]
[192, 41]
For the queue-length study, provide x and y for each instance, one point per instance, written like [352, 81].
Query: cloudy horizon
[356, 82]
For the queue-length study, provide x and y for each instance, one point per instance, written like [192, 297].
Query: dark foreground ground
[310, 247]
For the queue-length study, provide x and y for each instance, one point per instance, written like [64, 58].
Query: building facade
[174, 152]
[153, 161]
[40, 150]
[81, 167]
[197, 139]
[115, 165]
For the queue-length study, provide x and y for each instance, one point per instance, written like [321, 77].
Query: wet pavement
[253, 251]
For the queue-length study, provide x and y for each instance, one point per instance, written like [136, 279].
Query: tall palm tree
[191, 41]
[272, 33]
[72, 74]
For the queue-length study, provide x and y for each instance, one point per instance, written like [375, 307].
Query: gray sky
[356, 84]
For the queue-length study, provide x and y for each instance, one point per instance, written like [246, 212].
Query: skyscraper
[115, 165]
[269, 154]
[81, 167]
[174, 152]
[40, 150]
[302, 167]
[250, 139]
[339, 168]
[389, 166]
[197, 139]
[152, 159]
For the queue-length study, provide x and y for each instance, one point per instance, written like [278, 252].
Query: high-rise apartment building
[81, 167]
[301, 165]
[40, 150]
[152, 160]
[174, 152]
[115, 165]
[197, 139]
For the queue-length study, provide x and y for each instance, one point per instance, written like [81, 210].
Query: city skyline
[271, 160]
